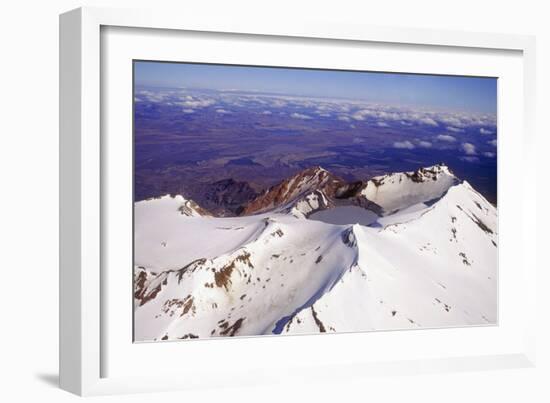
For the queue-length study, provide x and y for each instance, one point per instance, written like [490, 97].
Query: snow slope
[279, 268]
[427, 265]
[414, 277]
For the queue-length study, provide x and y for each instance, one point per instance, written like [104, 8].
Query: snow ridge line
[349, 238]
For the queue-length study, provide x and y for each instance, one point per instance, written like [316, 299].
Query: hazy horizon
[454, 93]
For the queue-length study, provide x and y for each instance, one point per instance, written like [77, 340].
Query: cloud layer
[472, 136]
[345, 110]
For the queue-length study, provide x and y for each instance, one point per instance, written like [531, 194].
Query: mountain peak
[316, 169]
[440, 168]
[315, 188]
[312, 174]
[313, 179]
[400, 190]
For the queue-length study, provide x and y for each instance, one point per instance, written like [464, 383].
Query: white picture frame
[83, 308]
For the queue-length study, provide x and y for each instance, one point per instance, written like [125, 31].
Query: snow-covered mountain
[400, 190]
[304, 193]
[303, 261]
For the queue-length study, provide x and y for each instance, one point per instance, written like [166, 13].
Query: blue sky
[473, 94]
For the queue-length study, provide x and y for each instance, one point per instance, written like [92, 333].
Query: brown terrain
[310, 180]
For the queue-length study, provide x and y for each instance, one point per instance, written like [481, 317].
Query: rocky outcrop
[295, 187]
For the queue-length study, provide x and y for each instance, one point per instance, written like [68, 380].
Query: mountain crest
[307, 181]
[400, 190]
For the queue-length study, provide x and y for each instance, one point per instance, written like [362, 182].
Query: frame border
[80, 162]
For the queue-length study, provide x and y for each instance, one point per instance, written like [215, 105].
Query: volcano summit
[317, 254]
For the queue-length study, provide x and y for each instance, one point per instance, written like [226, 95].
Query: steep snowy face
[396, 191]
[296, 187]
[308, 204]
[429, 267]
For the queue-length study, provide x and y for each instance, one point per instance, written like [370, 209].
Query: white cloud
[425, 144]
[382, 124]
[222, 111]
[266, 113]
[277, 103]
[428, 121]
[485, 131]
[469, 159]
[454, 129]
[191, 102]
[151, 96]
[362, 114]
[377, 113]
[452, 121]
[469, 148]
[489, 154]
[492, 142]
[446, 137]
[391, 113]
[300, 116]
[344, 118]
[188, 111]
[404, 144]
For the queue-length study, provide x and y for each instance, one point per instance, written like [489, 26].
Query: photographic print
[277, 201]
